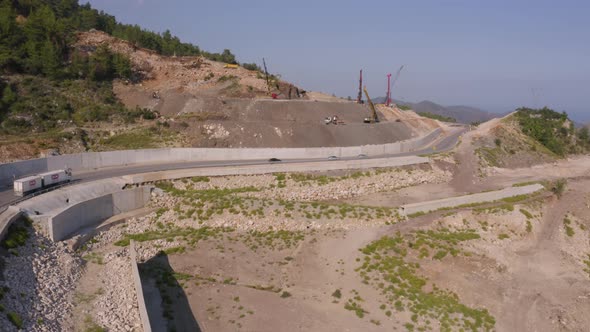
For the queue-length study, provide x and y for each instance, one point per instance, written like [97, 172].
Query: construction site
[242, 202]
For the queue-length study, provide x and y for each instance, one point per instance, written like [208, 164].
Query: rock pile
[40, 279]
[115, 307]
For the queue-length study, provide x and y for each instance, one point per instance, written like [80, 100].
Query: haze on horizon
[494, 55]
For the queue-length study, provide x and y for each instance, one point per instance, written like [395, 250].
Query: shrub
[337, 294]
[15, 319]
[558, 187]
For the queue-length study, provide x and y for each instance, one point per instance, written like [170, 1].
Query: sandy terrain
[273, 265]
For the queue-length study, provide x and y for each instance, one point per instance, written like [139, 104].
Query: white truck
[27, 185]
[41, 181]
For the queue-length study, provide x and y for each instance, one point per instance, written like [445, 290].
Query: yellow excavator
[373, 118]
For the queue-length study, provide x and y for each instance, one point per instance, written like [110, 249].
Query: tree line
[35, 36]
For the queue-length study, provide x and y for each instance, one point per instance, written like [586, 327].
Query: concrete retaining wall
[143, 313]
[274, 168]
[7, 217]
[94, 160]
[93, 211]
[468, 199]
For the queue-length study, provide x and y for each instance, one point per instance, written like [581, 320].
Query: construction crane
[388, 94]
[373, 118]
[359, 98]
[266, 75]
[394, 80]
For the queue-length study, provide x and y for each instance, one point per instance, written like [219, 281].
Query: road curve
[440, 145]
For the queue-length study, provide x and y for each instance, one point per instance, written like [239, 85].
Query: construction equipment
[373, 118]
[393, 83]
[388, 94]
[266, 74]
[359, 98]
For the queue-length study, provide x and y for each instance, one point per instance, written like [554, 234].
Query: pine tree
[50, 58]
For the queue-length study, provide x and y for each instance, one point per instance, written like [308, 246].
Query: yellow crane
[373, 118]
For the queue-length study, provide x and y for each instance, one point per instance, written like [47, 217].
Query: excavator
[373, 118]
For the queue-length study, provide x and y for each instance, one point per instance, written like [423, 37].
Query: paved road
[7, 195]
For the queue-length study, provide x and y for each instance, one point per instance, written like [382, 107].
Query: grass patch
[137, 139]
[515, 199]
[416, 214]
[503, 236]
[15, 319]
[285, 294]
[356, 307]
[529, 226]
[526, 213]
[387, 267]
[94, 258]
[192, 235]
[569, 231]
[200, 179]
[174, 250]
[17, 235]
[91, 326]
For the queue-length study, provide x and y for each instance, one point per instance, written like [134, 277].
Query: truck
[45, 180]
[55, 177]
[26, 185]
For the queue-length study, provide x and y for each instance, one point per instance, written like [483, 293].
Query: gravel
[41, 280]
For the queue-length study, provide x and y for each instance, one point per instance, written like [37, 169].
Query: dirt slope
[214, 106]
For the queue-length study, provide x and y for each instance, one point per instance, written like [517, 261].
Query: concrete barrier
[143, 313]
[450, 202]
[274, 168]
[95, 160]
[93, 211]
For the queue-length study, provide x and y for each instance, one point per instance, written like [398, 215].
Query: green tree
[50, 60]
[101, 64]
[583, 135]
[8, 95]
[122, 66]
[79, 65]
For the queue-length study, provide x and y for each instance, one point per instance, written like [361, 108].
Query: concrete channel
[431, 206]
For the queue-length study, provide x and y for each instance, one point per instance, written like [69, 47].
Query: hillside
[528, 137]
[92, 84]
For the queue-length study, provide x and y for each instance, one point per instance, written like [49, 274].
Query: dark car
[274, 160]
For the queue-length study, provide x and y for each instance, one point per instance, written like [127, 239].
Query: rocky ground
[38, 282]
[233, 253]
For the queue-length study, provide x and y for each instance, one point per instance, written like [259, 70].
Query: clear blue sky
[496, 55]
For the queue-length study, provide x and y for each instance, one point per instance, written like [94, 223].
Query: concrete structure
[67, 210]
[143, 312]
[450, 202]
[7, 217]
[275, 168]
[96, 160]
[94, 211]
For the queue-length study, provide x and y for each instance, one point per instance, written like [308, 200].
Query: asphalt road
[7, 196]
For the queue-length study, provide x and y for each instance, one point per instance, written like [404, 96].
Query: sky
[495, 55]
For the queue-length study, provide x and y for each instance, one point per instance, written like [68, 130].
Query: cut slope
[501, 143]
[272, 123]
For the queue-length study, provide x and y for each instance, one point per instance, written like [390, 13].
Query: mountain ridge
[461, 113]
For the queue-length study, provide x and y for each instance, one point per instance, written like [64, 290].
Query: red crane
[359, 98]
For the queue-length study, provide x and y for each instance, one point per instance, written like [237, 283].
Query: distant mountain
[463, 114]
